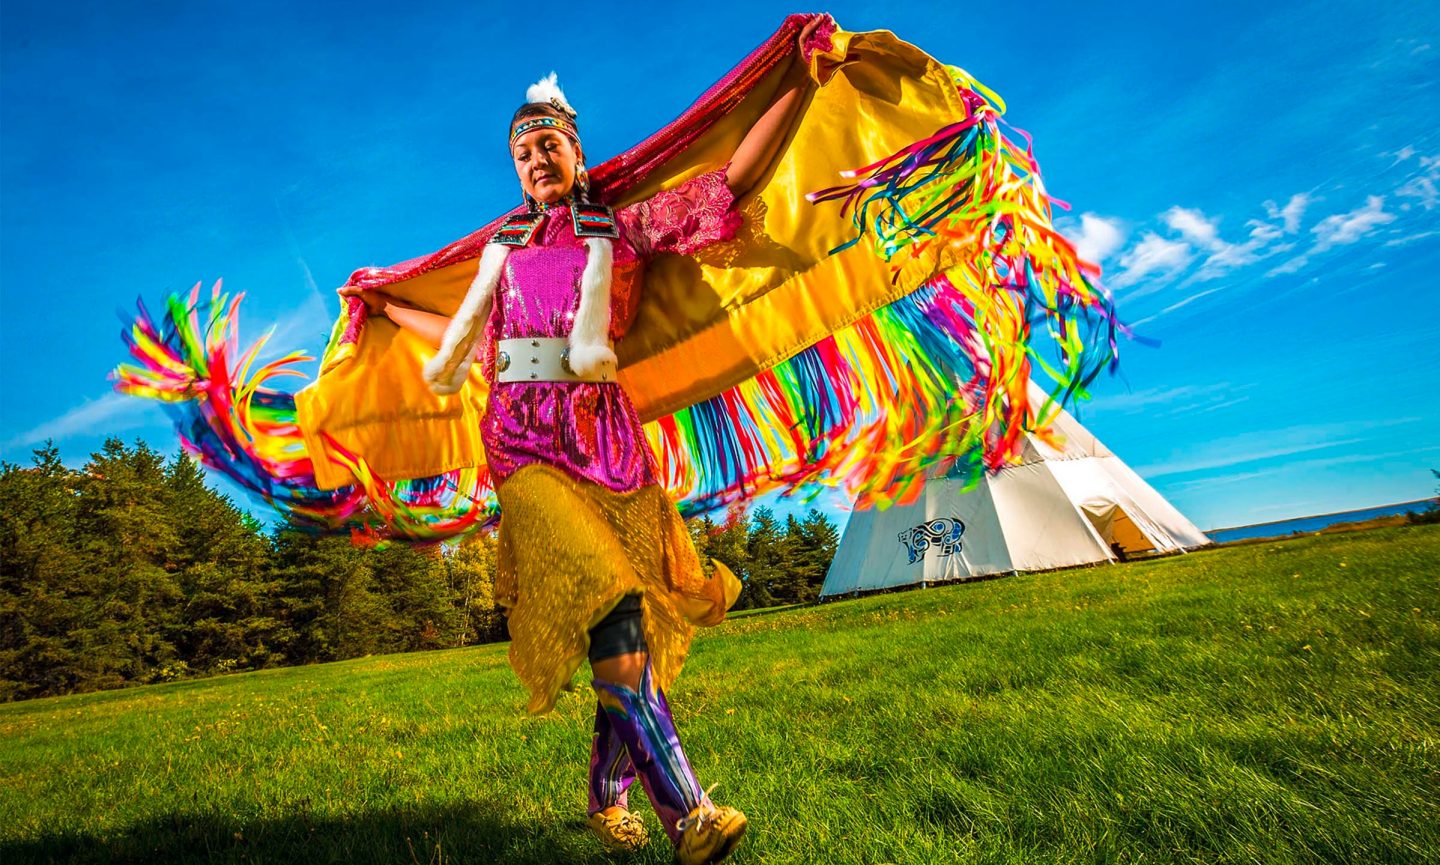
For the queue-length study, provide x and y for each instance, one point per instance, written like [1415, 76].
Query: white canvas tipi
[1054, 509]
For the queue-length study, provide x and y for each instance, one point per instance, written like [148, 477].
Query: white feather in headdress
[547, 89]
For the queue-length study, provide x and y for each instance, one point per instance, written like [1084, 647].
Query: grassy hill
[1271, 702]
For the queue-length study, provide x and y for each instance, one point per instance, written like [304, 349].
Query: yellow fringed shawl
[706, 321]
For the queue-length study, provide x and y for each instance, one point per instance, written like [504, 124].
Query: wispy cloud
[1179, 304]
[111, 413]
[1340, 229]
[303, 328]
[1098, 237]
[1422, 185]
[1195, 227]
[1208, 483]
[1422, 188]
[305, 325]
[1224, 256]
[1304, 465]
[1150, 398]
[1410, 238]
[1154, 258]
[1157, 261]
[1267, 444]
[1291, 213]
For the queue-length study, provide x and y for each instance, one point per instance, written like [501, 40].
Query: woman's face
[545, 161]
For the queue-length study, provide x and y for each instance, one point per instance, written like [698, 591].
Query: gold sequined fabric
[571, 549]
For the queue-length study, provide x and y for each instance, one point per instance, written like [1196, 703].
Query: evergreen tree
[133, 570]
[232, 615]
[414, 584]
[40, 571]
[135, 604]
[305, 569]
[815, 542]
[765, 559]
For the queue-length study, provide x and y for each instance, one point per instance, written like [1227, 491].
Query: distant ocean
[1312, 524]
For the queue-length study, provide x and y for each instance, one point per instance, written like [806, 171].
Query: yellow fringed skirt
[569, 550]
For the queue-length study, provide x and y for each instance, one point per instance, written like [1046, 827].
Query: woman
[594, 558]
[813, 355]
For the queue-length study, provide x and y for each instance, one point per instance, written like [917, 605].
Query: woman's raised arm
[764, 138]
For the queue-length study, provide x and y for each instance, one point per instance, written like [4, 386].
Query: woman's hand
[375, 300]
[805, 33]
[429, 326]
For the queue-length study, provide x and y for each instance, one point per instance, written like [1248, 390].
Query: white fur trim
[545, 90]
[590, 334]
[448, 370]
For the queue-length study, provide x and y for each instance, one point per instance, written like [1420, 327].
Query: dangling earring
[582, 183]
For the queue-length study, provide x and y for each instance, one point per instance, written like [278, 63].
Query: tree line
[131, 570]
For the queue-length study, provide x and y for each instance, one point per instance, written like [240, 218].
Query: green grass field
[1273, 702]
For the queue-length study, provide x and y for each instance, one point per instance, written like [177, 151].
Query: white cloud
[1264, 232]
[1180, 304]
[1159, 396]
[110, 413]
[1411, 238]
[1194, 227]
[1170, 401]
[1224, 256]
[1298, 466]
[1339, 229]
[304, 328]
[1422, 188]
[1291, 266]
[1291, 213]
[1152, 255]
[1098, 237]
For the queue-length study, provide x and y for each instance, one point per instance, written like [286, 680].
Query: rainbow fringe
[229, 420]
[869, 410]
[940, 379]
[941, 375]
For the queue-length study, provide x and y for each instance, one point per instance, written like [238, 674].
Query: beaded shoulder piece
[517, 230]
[590, 220]
[593, 220]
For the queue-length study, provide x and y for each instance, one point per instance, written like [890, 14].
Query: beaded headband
[542, 121]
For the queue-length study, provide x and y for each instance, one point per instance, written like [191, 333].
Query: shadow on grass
[443, 835]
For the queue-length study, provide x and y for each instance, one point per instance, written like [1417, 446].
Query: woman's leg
[617, 644]
[611, 770]
[640, 716]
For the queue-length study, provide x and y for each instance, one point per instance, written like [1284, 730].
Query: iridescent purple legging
[611, 769]
[639, 720]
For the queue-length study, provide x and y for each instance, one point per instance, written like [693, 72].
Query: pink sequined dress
[583, 519]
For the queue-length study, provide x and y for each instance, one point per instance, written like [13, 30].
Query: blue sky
[1260, 181]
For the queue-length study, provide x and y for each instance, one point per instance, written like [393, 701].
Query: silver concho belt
[541, 358]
